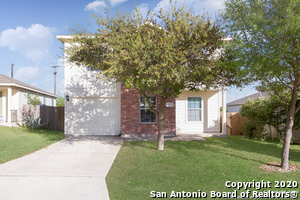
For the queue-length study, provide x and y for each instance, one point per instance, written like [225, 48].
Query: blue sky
[28, 32]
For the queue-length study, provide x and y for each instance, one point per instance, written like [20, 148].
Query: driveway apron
[74, 168]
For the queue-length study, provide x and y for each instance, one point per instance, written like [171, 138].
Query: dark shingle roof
[244, 99]
[7, 80]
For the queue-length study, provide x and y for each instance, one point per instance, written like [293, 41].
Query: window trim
[187, 111]
[150, 111]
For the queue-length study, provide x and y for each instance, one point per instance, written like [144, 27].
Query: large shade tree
[265, 48]
[159, 54]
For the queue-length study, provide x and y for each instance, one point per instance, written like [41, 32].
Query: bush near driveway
[195, 165]
[18, 141]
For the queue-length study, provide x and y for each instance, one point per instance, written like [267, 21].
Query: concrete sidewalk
[74, 168]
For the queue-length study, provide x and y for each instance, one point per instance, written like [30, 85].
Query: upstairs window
[194, 109]
[146, 116]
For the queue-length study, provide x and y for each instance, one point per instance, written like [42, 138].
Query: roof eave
[235, 104]
[64, 38]
[27, 88]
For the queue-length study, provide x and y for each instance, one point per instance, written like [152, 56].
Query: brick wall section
[130, 115]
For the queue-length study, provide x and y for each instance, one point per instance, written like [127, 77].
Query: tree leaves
[265, 49]
[173, 46]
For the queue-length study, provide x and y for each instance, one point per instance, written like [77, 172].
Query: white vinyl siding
[28, 96]
[210, 113]
[234, 108]
[82, 83]
[22, 97]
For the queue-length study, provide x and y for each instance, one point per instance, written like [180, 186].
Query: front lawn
[191, 166]
[16, 142]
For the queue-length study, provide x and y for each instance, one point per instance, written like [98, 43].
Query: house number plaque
[169, 104]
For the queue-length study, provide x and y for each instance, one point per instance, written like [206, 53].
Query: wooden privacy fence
[234, 123]
[53, 116]
[235, 126]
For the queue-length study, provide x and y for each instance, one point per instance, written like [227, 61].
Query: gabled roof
[244, 99]
[7, 81]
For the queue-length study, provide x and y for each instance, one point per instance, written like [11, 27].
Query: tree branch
[149, 103]
[290, 77]
[285, 83]
[297, 109]
[278, 94]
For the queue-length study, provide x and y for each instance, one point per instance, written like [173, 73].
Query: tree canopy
[265, 48]
[159, 54]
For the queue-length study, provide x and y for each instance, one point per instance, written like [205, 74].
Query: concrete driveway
[74, 168]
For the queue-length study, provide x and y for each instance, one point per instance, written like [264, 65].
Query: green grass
[16, 142]
[195, 165]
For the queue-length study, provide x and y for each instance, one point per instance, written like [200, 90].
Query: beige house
[13, 95]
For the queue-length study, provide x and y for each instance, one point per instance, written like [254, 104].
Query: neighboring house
[235, 106]
[13, 95]
[97, 107]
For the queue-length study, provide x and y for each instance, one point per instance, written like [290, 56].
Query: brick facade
[130, 115]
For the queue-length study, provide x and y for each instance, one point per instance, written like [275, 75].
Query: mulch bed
[276, 167]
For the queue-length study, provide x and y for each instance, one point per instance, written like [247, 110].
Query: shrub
[28, 112]
[267, 111]
[261, 112]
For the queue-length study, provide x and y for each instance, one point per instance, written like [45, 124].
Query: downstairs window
[146, 116]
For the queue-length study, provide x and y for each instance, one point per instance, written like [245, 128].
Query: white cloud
[26, 73]
[210, 6]
[143, 8]
[94, 5]
[32, 42]
[114, 2]
[98, 4]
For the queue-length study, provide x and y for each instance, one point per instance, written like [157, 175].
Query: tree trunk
[161, 124]
[288, 132]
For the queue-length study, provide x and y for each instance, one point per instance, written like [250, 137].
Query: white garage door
[96, 116]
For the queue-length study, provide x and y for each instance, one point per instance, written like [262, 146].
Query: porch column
[224, 112]
[9, 94]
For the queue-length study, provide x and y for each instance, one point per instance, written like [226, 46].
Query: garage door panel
[96, 116]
